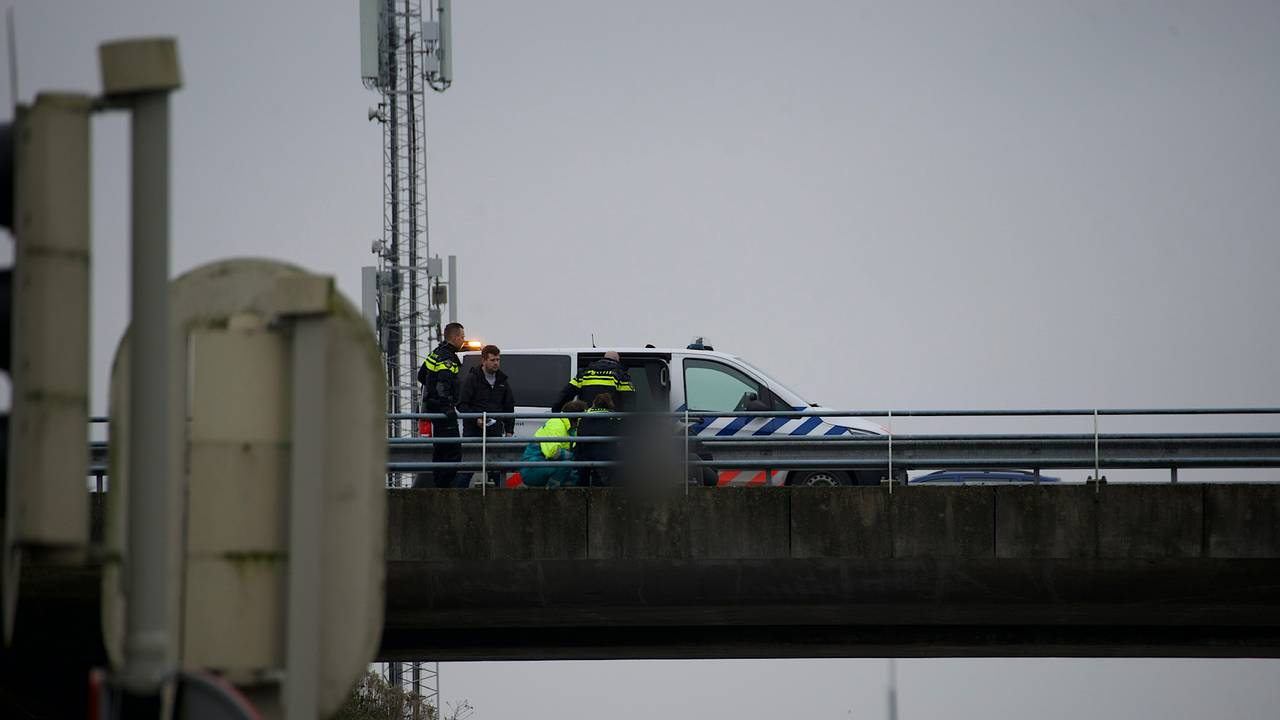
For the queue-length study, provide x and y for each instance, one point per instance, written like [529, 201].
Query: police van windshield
[772, 381]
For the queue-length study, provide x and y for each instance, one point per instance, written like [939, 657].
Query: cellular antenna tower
[405, 50]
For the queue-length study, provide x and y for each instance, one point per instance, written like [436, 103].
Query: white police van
[699, 379]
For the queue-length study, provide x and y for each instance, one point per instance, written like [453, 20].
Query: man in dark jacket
[606, 375]
[439, 377]
[485, 389]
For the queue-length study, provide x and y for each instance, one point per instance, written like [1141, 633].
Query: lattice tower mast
[411, 56]
[405, 52]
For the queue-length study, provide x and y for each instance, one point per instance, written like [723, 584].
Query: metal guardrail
[921, 452]
[905, 452]
[1033, 412]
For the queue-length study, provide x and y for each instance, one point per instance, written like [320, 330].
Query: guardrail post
[1097, 472]
[484, 452]
[890, 452]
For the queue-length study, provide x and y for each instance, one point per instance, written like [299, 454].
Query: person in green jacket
[536, 475]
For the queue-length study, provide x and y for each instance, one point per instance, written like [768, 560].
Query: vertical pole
[414, 272]
[1097, 472]
[893, 689]
[13, 61]
[453, 288]
[392, 315]
[395, 671]
[418, 713]
[306, 502]
[146, 643]
[890, 452]
[484, 451]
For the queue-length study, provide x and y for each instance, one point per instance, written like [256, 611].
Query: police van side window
[535, 380]
[713, 387]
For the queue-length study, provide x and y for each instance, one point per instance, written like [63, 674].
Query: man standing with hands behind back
[485, 389]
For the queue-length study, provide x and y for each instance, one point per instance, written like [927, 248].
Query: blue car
[980, 477]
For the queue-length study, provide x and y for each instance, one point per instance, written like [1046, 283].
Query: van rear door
[650, 373]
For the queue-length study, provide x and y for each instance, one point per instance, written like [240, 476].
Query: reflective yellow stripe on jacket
[435, 364]
[593, 378]
[555, 427]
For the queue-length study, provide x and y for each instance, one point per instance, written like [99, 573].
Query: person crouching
[535, 473]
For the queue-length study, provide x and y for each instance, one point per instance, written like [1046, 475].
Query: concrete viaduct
[1049, 570]
[1185, 570]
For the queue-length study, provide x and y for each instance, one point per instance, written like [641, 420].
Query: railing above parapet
[1094, 451]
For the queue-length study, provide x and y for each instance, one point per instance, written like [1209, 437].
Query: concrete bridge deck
[1050, 570]
[1120, 570]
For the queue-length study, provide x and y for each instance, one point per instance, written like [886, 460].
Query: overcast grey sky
[981, 204]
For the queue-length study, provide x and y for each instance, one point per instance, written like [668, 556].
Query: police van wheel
[821, 478]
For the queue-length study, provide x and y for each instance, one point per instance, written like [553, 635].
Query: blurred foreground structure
[240, 549]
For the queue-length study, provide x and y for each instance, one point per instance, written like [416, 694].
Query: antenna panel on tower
[373, 45]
